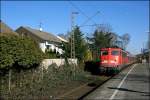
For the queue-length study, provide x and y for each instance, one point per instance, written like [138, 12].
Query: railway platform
[133, 83]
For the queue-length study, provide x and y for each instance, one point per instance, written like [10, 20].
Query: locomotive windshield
[104, 52]
[115, 52]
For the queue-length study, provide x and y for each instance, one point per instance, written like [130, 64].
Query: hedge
[22, 52]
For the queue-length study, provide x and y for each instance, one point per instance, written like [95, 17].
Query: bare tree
[106, 28]
[126, 39]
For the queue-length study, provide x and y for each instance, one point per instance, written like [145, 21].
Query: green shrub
[18, 51]
[51, 54]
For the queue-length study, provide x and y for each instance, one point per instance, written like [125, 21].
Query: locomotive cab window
[104, 52]
[115, 52]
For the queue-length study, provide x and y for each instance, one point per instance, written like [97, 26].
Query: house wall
[54, 47]
[51, 46]
[42, 46]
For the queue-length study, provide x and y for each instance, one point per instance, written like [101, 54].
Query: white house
[47, 41]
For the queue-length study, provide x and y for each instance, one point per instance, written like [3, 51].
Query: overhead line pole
[149, 46]
[72, 35]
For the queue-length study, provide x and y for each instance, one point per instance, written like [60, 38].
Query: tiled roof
[6, 29]
[42, 35]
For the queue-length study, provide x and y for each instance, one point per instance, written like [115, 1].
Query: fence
[59, 62]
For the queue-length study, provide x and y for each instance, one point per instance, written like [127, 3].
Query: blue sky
[124, 17]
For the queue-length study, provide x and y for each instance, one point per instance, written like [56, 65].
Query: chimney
[40, 27]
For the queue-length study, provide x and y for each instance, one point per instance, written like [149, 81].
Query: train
[114, 59]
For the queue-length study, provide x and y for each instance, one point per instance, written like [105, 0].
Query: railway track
[83, 90]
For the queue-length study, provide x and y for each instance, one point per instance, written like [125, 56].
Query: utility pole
[149, 46]
[148, 39]
[72, 34]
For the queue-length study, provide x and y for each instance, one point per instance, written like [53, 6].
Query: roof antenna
[40, 26]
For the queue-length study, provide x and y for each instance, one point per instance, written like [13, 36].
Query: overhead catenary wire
[81, 12]
[90, 18]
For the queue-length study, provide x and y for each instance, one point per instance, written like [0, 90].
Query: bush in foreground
[38, 83]
[20, 52]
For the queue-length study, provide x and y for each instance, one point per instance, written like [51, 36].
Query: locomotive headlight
[116, 58]
[112, 61]
[105, 61]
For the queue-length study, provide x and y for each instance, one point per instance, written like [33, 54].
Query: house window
[48, 46]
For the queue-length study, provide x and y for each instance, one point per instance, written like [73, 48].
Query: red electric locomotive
[114, 58]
